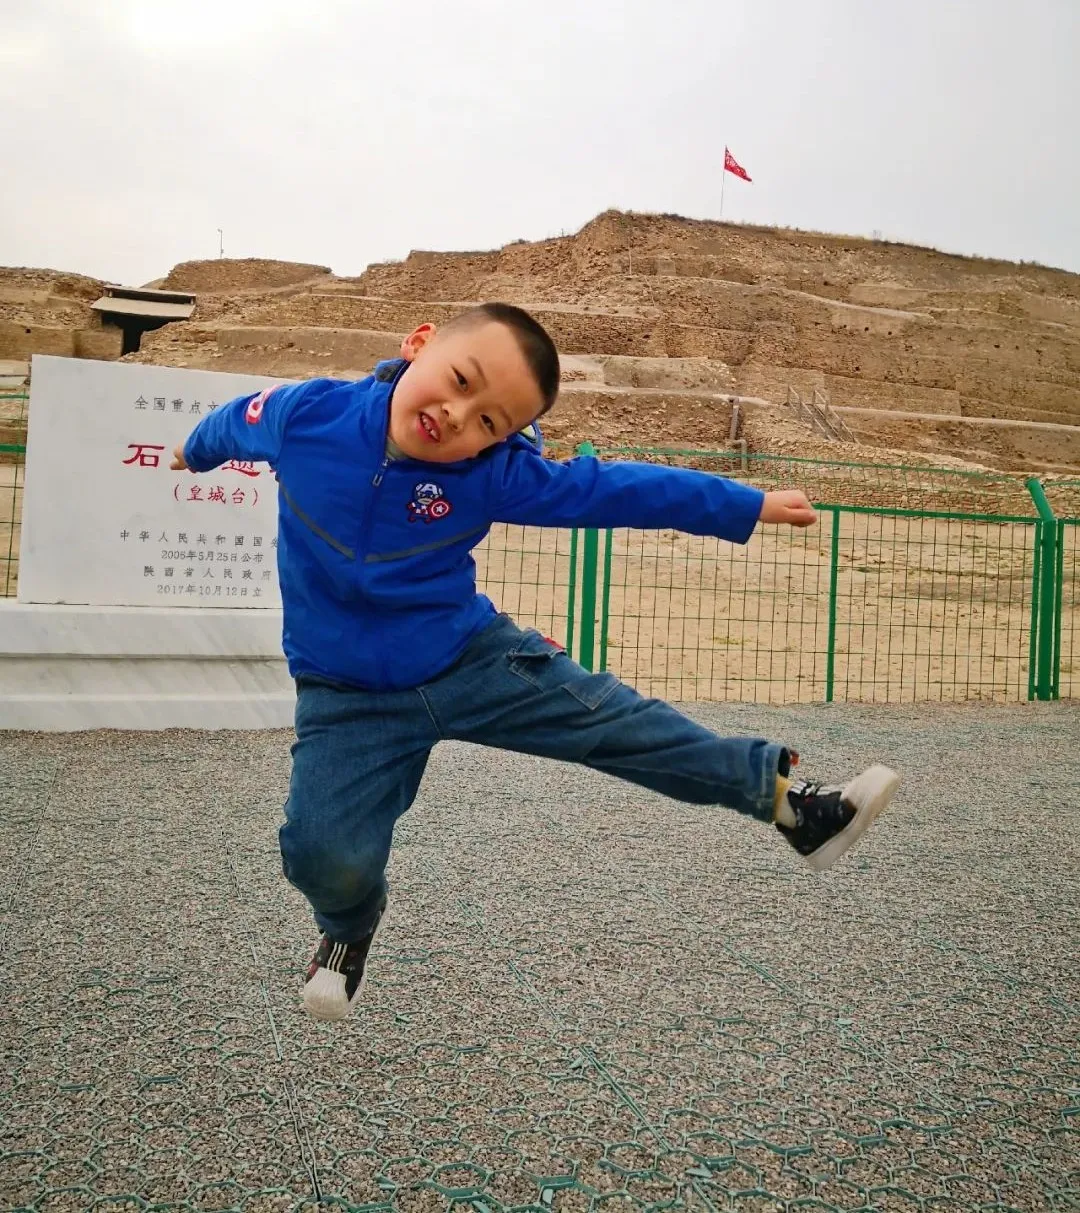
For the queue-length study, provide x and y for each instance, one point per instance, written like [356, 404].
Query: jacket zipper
[364, 537]
[364, 541]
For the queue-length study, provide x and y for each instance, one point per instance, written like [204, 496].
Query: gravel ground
[587, 998]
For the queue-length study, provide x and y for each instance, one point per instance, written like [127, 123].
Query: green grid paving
[579, 1003]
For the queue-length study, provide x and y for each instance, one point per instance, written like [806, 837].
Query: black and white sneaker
[828, 821]
[335, 977]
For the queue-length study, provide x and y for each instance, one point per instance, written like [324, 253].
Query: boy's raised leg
[514, 690]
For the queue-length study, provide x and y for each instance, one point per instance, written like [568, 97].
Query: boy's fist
[789, 507]
[179, 464]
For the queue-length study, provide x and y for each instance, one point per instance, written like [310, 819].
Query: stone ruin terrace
[924, 357]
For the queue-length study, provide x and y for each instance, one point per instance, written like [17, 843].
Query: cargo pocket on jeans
[547, 668]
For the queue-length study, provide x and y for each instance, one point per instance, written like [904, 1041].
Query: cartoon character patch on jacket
[428, 503]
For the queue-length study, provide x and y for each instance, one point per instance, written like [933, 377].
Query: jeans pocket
[531, 658]
[546, 667]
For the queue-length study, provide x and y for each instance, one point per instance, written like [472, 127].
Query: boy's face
[466, 389]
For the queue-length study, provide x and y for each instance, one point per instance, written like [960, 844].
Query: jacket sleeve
[250, 428]
[586, 492]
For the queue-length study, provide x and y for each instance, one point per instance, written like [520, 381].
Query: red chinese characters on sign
[144, 455]
[149, 455]
[216, 495]
[244, 467]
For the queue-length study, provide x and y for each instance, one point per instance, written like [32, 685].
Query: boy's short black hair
[532, 338]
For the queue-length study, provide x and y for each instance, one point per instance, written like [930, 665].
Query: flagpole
[723, 178]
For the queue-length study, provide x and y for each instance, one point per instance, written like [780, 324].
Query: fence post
[571, 593]
[8, 559]
[834, 569]
[589, 562]
[1044, 605]
[1059, 585]
[1033, 628]
[605, 599]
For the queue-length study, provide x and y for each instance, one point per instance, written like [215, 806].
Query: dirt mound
[48, 312]
[24, 281]
[625, 242]
[239, 274]
[977, 342]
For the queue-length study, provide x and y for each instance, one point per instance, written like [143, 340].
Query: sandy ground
[587, 997]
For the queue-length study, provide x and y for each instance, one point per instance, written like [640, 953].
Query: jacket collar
[390, 371]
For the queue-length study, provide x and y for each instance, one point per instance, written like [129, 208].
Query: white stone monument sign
[106, 523]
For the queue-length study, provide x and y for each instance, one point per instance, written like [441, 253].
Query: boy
[385, 487]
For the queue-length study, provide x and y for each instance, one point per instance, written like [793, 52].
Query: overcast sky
[349, 132]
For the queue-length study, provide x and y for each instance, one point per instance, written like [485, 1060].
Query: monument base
[68, 668]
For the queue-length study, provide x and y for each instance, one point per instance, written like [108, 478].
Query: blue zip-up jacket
[374, 557]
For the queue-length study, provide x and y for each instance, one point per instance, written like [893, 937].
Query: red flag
[731, 165]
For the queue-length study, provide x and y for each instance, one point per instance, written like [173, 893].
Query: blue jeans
[359, 757]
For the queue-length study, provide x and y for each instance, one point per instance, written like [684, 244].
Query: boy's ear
[416, 340]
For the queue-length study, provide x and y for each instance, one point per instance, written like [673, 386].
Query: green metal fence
[1063, 500]
[1068, 613]
[533, 575]
[882, 606]
[12, 463]
[917, 584]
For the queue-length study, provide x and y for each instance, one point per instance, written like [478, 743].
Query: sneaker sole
[324, 994]
[868, 793]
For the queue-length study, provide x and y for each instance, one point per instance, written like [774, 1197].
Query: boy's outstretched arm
[587, 492]
[250, 428]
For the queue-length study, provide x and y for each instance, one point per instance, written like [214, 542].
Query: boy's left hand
[789, 507]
